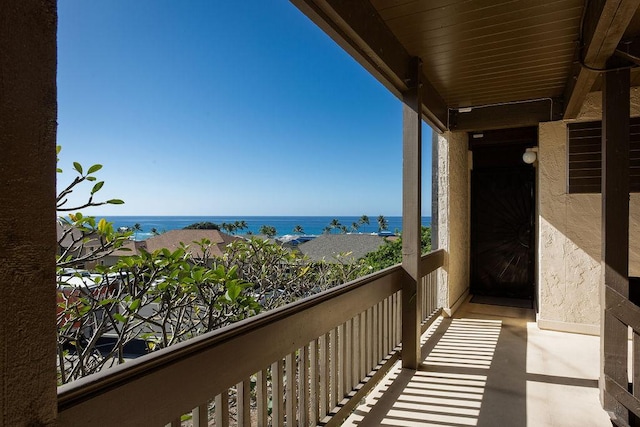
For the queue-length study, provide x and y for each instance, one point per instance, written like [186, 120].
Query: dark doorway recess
[503, 215]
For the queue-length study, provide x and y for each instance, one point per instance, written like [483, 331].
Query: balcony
[313, 362]
[491, 366]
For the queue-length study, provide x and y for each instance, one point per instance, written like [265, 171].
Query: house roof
[505, 63]
[71, 236]
[328, 246]
[172, 239]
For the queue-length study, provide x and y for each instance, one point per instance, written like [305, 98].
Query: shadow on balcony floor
[491, 366]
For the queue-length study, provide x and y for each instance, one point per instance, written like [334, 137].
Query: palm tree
[268, 230]
[355, 226]
[136, 227]
[335, 223]
[229, 228]
[240, 225]
[155, 231]
[364, 220]
[298, 229]
[343, 229]
[383, 224]
[326, 230]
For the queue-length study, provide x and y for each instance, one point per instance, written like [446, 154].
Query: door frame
[509, 145]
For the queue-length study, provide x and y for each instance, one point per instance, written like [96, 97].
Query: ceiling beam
[508, 115]
[604, 24]
[358, 28]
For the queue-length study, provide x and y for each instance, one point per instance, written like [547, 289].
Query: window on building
[585, 157]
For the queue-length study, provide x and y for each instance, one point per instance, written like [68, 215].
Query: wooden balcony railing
[307, 363]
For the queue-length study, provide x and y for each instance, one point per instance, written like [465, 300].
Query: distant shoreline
[283, 224]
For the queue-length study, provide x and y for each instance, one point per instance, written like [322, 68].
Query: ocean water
[283, 224]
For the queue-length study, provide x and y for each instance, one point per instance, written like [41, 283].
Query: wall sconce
[530, 155]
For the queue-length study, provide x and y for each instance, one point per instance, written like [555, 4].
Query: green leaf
[97, 187]
[94, 168]
[58, 148]
[58, 170]
[233, 292]
[134, 305]
[115, 202]
[91, 178]
[77, 166]
[119, 317]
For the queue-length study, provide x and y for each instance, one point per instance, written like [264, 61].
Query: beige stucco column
[569, 232]
[450, 216]
[27, 212]
[568, 241]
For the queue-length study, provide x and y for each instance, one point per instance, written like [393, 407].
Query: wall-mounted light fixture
[465, 109]
[530, 155]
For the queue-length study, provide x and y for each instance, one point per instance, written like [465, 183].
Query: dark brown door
[502, 232]
[503, 216]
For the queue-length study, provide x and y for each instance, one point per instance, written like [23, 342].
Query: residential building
[173, 240]
[76, 245]
[493, 79]
[348, 247]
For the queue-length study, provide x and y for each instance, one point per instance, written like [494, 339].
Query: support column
[411, 217]
[27, 212]
[615, 235]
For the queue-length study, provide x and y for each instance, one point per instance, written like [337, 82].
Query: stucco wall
[569, 233]
[452, 206]
[27, 212]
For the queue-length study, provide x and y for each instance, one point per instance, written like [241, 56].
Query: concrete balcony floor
[491, 366]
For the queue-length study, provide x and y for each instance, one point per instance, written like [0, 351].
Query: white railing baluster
[341, 362]
[261, 398]
[314, 392]
[355, 345]
[200, 415]
[363, 346]
[369, 341]
[290, 389]
[348, 360]
[303, 386]
[277, 393]
[323, 344]
[243, 398]
[333, 368]
[381, 350]
[243, 402]
[385, 326]
[398, 318]
[222, 409]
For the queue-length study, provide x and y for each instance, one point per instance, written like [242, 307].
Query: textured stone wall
[453, 214]
[27, 212]
[569, 233]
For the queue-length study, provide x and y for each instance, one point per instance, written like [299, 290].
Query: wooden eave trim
[605, 24]
[358, 28]
[507, 115]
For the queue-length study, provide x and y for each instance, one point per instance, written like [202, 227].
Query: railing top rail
[432, 261]
[113, 378]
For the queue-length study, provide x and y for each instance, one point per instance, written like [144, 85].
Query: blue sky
[224, 108]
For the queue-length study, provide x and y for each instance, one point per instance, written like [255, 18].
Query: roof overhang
[487, 64]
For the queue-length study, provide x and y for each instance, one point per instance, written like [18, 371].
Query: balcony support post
[411, 216]
[615, 235]
[27, 212]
